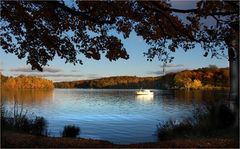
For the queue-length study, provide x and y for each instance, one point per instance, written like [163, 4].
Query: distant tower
[164, 65]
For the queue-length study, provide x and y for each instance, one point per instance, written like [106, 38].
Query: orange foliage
[27, 82]
[204, 77]
[26, 96]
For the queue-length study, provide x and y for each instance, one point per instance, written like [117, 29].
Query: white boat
[144, 98]
[144, 92]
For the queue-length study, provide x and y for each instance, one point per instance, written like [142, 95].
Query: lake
[116, 115]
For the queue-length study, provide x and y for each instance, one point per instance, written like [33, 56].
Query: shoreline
[177, 89]
[22, 140]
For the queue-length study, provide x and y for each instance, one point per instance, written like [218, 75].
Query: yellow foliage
[196, 84]
[28, 82]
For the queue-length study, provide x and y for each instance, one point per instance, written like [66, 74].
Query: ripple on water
[114, 115]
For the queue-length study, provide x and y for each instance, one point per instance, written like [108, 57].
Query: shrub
[205, 122]
[22, 123]
[171, 129]
[39, 126]
[19, 121]
[3, 119]
[225, 117]
[71, 131]
[164, 130]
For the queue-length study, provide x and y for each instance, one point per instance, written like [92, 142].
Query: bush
[169, 129]
[209, 121]
[71, 131]
[22, 123]
[19, 121]
[39, 126]
[164, 130]
[225, 117]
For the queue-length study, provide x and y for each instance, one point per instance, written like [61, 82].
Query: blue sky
[136, 65]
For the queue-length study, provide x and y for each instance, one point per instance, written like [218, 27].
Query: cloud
[85, 76]
[68, 77]
[172, 65]
[1, 69]
[52, 70]
[92, 76]
[28, 69]
[56, 75]
[63, 76]
[160, 72]
[61, 80]
[155, 73]
[75, 70]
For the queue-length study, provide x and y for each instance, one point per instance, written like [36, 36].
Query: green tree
[39, 30]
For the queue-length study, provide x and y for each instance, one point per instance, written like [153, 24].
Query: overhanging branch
[82, 14]
[171, 23]
[196, 11]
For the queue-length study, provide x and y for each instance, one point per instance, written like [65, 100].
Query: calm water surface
[115, 115]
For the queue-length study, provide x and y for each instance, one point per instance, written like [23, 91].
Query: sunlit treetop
[40, 31]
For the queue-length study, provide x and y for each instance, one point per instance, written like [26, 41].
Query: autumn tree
[204, 78]
[42, 30]
[27, 82]
[196, 84]
[122, 82]
[183, 79]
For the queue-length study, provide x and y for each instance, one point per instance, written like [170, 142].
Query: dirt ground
[20, 140]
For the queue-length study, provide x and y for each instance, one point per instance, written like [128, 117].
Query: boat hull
[143, 93]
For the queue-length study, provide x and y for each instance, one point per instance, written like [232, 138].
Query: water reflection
[200, 96]
[28, 97]
[144, 98]
[110, 114]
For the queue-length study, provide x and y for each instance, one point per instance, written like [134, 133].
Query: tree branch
[170, 21]
[233, 4]
[219, 20]
[82, 14]
[192, 10]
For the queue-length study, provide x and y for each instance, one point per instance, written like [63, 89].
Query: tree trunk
[232, 42]
[234, 77]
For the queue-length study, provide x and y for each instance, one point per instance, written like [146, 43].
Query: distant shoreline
[198, 79]
[203, 79]
[200, 89]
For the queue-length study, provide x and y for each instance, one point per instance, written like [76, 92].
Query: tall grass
[20, 121]
[210, 121]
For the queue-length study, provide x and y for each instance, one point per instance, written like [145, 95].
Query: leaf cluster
[40, 30]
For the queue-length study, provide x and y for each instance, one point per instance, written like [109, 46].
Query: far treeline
[203, 78]
[25, 82]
